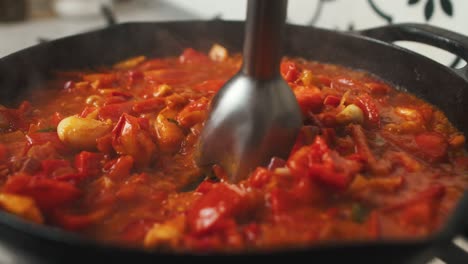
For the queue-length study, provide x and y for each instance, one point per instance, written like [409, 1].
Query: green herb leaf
[47, 129]
[172, 121]
[359, 213]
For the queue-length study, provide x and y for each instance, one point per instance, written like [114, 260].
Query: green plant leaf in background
[429, 9]
[447, 7]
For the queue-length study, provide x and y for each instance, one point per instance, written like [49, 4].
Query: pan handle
[447, 40]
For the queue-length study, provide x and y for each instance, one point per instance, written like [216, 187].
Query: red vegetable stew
[108, 153]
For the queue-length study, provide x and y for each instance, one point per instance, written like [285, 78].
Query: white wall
[339, 14]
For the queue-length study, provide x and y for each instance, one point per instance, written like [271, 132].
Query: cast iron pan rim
[53, 234]
[290, 26]
[361, 35]
[422, 58]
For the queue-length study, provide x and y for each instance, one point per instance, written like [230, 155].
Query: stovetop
[454, 253]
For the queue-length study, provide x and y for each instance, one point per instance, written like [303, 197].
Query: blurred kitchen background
[26, 22]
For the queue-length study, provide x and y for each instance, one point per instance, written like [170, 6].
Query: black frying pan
[441, 86]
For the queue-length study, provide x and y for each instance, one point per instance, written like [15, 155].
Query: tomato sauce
[108, 154]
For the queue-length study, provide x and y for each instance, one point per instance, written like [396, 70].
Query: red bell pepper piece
[309, 99]
[289, 71]
[89, 163]
[87, 110]
[56, 118]
[128, 79]
[104, 144]
[114, 111]
[432, 146]
[50, 166]
[324, 80]
[47, 193]
[193, 113]
[131, 138]
[332, 100]
[378, 88]
[190, 55]
[149, 105]
[121, 168]
[281, 200]
[205, 186]
[111, 99]
[371, 112]
[14, 118]
[46, 137]
[222, 202]
[304, 191]
[326, 166]
[259, 177]
[363, 149]
[71, 221]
